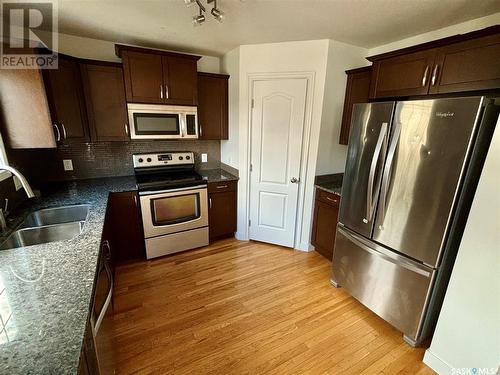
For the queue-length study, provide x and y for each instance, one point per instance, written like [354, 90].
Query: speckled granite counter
[45, 290]
[330, 182]
[217, 175]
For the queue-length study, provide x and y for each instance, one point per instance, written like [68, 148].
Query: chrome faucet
[26, 187]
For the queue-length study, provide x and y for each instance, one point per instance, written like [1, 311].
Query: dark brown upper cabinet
[104, 91]
[459, 63]
[159, 77]
[467, 66]
[405, 75]
[65, 97]
[357, 91]
[213, 106]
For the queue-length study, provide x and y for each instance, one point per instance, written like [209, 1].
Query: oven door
[153, 121]
[175, 210]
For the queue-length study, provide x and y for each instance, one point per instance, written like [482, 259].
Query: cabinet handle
[434, 74]
[209, 202]
[64, 130]
[424, 78]
[166, 92]
[161, 91]
[201, 131]
[332, 200]
[126, 128]
[58, 139]
[135, 200]
[221, 186]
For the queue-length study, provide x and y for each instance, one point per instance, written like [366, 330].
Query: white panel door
[276, 148]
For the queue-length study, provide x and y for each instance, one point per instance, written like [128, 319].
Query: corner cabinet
[222, 209]
[105, 101]
[460, 63]
[213, 106]
[326, 213]
[357, 91]
[159, 77]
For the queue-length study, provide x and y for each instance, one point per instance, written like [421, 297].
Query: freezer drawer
[393, 287]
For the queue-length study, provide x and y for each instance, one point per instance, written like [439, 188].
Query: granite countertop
[217, 175]
[45, 290]
[330, 182]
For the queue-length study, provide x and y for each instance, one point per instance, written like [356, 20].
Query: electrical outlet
[68, 164]
[204, 158]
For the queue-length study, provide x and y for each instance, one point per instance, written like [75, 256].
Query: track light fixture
[200, 18]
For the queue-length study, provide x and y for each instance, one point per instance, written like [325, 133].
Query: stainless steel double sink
[49, 225]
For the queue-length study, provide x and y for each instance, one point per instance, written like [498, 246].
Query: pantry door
[277, 127]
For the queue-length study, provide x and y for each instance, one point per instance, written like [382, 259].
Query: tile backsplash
[103, 159]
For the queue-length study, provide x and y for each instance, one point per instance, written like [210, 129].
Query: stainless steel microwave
[159, 121]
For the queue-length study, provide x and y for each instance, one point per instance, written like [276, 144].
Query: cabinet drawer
[222, 186]
[328, 197]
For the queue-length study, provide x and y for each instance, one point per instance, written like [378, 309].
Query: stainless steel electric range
[173, 200]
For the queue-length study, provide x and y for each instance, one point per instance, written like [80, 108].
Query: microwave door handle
[183, 125]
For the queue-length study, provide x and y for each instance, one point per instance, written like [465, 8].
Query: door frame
[306, 135]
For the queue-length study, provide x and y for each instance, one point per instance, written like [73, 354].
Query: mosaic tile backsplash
[103, 159]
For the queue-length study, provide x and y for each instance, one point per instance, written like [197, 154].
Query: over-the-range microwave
[160, 121]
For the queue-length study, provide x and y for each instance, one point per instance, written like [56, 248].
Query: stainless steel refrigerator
[411, 172]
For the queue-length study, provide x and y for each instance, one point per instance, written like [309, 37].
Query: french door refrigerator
[411, 172]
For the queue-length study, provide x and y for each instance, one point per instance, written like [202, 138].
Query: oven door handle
[155, 192]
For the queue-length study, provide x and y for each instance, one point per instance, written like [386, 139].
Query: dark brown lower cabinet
[326, 212]
[222, 208]
[125, 227]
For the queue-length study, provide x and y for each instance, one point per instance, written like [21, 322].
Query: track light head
[218, 14]
[199, 19]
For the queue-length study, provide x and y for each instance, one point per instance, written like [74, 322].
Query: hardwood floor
[245, 308]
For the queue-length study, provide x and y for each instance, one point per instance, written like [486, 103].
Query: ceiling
[167, 23]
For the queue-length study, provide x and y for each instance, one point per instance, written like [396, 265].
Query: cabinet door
[180, 80]
[126, 227]
[212, 106]
[105, 99]
[404, 75]
[467, 66]
[66, 103]
[143, 74]
[222, 214]
[324, 227]
[357, 91]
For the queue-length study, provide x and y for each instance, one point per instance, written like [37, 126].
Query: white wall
[341, 57]
[96, 49]
[468, 330]
[460, 28]
[229, 149]
[288, 57]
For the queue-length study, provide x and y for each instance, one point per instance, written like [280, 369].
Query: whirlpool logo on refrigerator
[445, 114]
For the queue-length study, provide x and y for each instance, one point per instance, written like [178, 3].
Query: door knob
[294, 180]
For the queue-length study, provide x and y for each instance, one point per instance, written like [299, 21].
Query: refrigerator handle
[386, 175]
[373, 168]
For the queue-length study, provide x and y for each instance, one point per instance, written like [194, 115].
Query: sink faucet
[26, 187]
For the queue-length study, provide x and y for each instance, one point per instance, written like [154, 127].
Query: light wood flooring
[245, 308]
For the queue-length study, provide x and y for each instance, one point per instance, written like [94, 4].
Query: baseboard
[436, 363]
[304, 246]
[240, 236]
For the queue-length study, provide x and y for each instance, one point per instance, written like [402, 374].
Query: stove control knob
[188, 157]
[180, 158]
[148, 160]
[141, 160]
